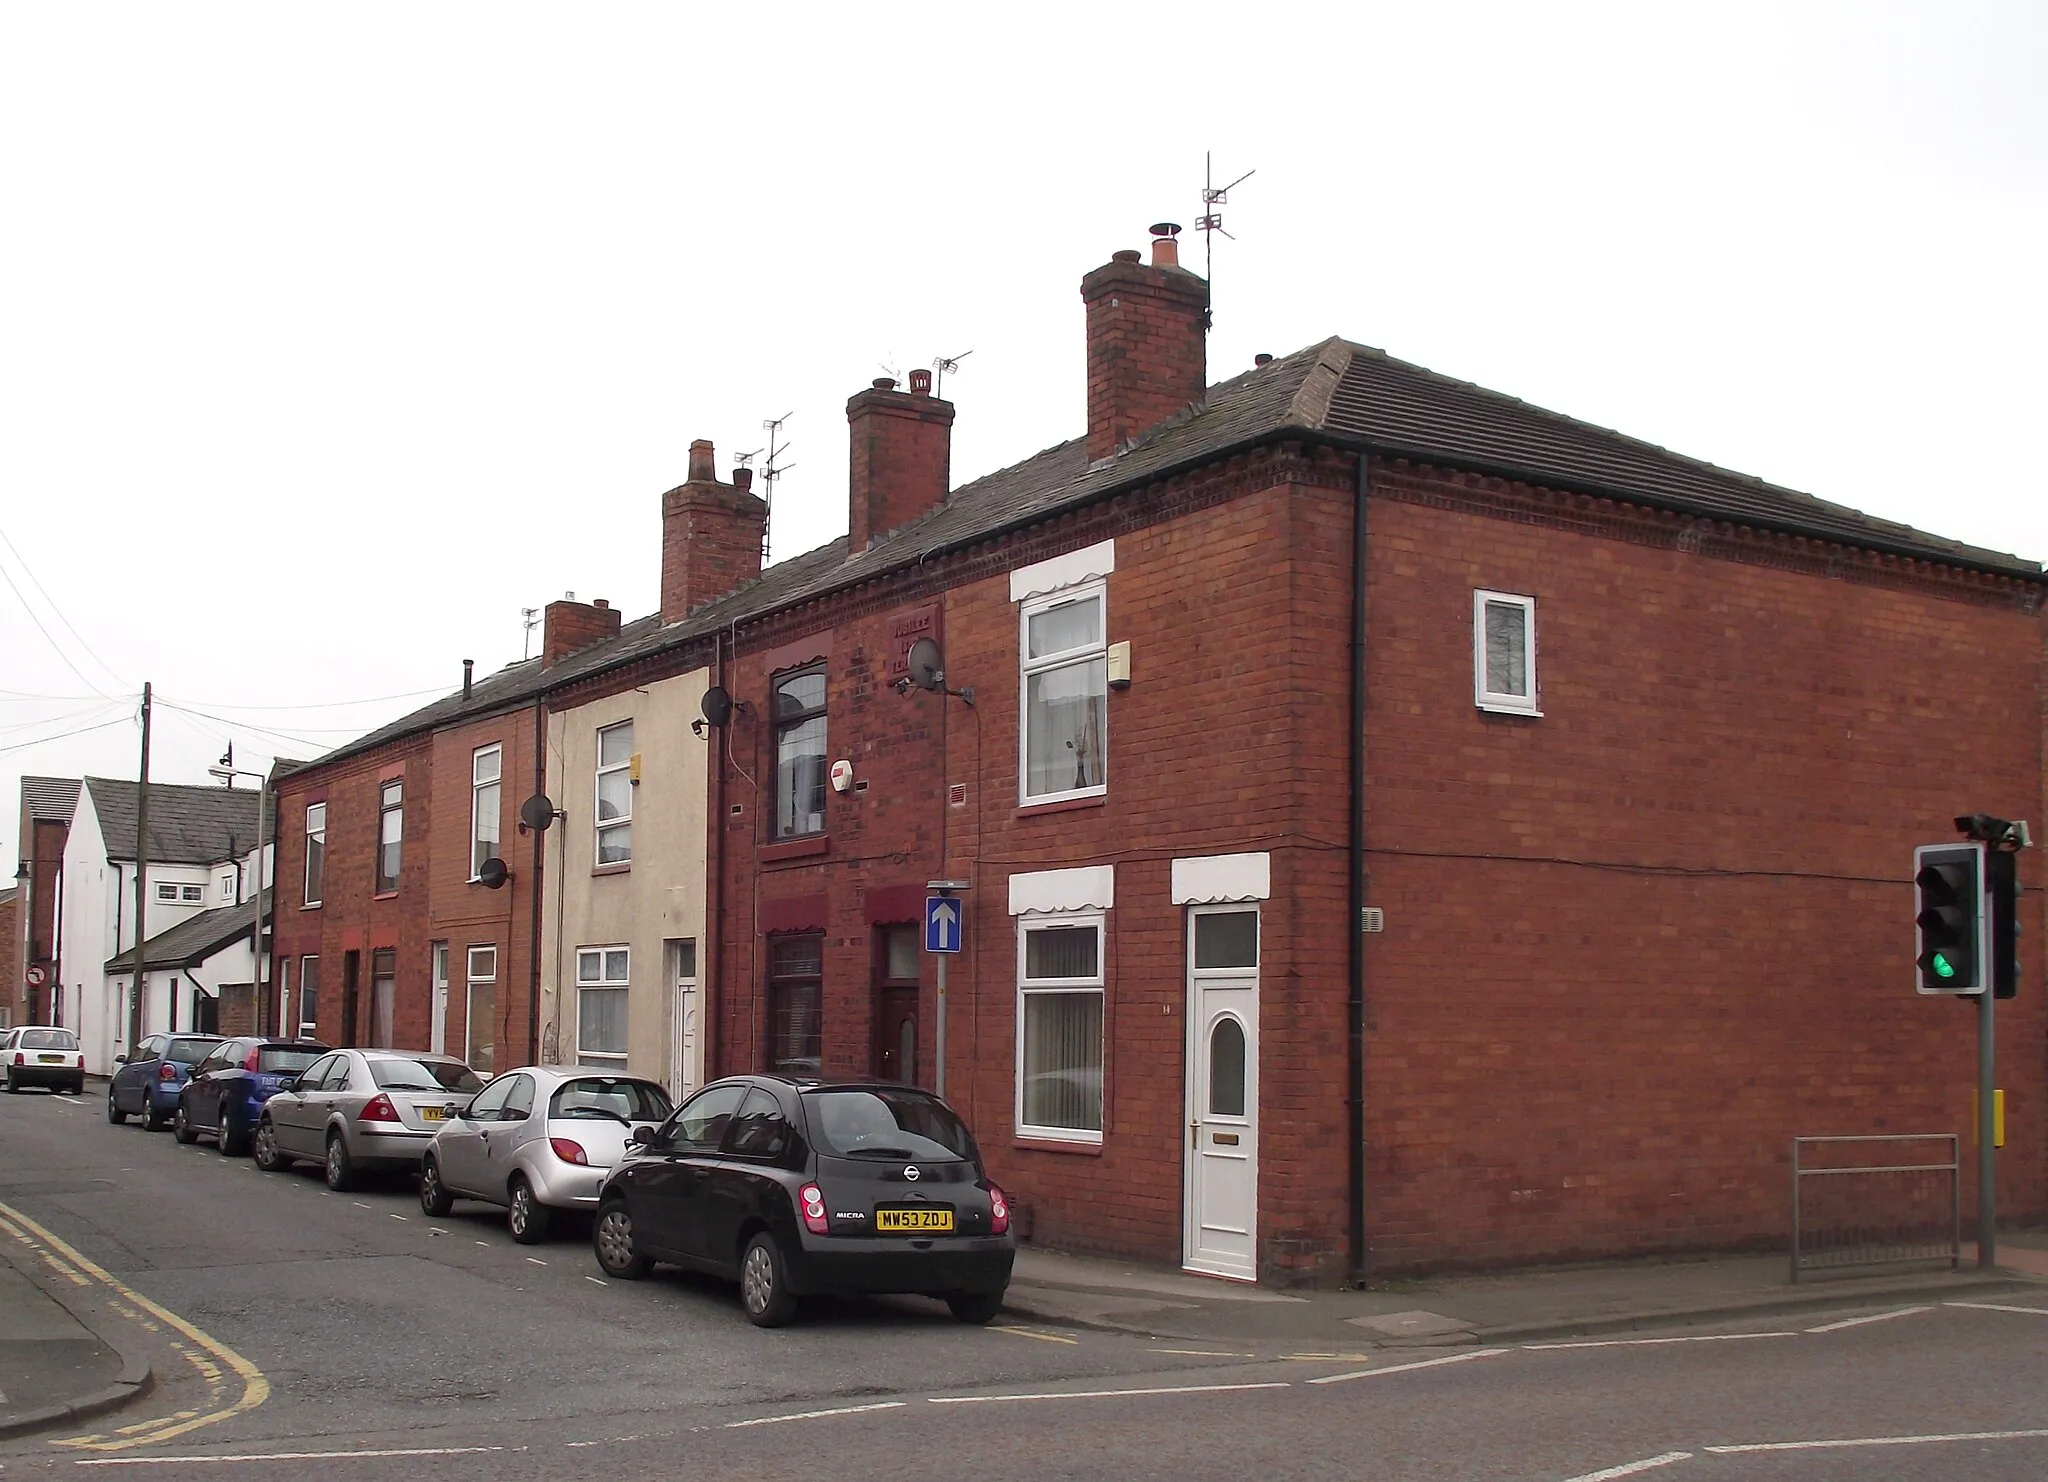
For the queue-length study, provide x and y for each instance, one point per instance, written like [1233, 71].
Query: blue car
[147, 1083]
[224, 1099]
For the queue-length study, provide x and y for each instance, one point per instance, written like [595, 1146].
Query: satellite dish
[927, 666]
[537, 812]
[492, 874]
[716, 705]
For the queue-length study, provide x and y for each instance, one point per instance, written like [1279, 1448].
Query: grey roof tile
[50, 799]
[187, 825]
[192, 940]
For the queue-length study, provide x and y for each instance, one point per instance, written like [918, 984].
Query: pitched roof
[50, 799]
[1347, 393]
[187, 825]
[192, 940]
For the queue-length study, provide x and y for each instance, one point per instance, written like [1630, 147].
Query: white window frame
[1098, 985]
[192, 895]
[315, 829]
[1495, 700]
[606, 985]
[308, 1028]
[599, 830]
[385, 809]
[476, 789]
[1027, 667]
[167, 892]
[471, 979]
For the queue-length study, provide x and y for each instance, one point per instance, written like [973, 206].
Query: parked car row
[789, 1187]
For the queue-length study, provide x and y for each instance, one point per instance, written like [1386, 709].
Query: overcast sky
[332, 337]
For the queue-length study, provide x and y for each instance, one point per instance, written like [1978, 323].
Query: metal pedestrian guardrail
[1850, 1211]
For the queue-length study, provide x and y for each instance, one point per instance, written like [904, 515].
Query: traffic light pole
[1987, 1127]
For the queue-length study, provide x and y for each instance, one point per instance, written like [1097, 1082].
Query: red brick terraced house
[1627, 753]
[1622, 755]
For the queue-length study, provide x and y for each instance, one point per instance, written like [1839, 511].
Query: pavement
[1532, 1303]
[61, 1361]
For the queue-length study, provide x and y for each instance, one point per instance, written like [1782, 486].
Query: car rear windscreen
[395, 1073]
[280, 1060]
[190, 1051]
[48, 1039]
[874, 1123]
[609, 1098]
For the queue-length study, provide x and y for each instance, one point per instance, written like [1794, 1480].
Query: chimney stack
[900, 457]
[1147, 357]
[570, 625]
[711, 536]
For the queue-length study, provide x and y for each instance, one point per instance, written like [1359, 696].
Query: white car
[43, 1055]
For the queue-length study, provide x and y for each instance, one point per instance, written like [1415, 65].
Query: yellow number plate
[50, 1059]
[433, 1113]
[914, 1221]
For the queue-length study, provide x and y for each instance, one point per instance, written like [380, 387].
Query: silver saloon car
[361, 1109]
[538, 1139]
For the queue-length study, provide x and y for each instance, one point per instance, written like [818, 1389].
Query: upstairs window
[800, 754]
[390, 833]
[1504, 652]
[486, 766]
[166, 892]
[615, 794]
[1064, 738]
[316, 850]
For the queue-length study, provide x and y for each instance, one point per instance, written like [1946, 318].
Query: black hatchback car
[800, 1188]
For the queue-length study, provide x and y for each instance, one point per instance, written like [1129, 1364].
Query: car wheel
[181, 1126]
[152, 1118]
[764, 1283]
[435, 1200]
[527, 1216]
[114, 1112]
[975, 1307]
[612, 1239]
[78, 1088]
[268, 1158]
[341, 1169]
[13, 1086]
[233, 1140]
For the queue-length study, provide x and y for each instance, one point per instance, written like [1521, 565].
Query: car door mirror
[289, 1083]
[120, 1059]
[642, 1137]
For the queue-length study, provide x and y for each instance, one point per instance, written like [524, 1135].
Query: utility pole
[141, 878]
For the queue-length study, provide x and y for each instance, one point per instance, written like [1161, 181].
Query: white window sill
[1066, 1135]
[1502, 707]
[1079, 795]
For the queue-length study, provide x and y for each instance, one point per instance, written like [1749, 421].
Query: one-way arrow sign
[941, 924]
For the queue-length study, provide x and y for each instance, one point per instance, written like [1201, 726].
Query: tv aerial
[771, 473]
[1210, 222]
[945, 366]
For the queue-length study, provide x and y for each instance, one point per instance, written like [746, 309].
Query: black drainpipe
[534, 894]
[1355, 1007]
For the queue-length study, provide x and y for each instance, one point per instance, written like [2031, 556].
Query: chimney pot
[1127, 255]
[743, 479]
[1262, 359]
[600, 604]
[920, 383]
[1165, 250]
[468, 669]
[884, 383]
[703, 465]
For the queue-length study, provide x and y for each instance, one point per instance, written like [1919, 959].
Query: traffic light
[1948, 888]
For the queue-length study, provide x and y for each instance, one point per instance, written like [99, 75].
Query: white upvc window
[1059, 1027]
[486, 767]
[166, 892]
[601, 985]
[316, 851]
[614, 811]
[1063, 741]
[1504, 652]
[479, 1028]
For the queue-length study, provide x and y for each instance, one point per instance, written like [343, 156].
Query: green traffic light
[1943, 968]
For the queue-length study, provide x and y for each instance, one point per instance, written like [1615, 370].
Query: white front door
[1222, 1183]
[682, 1036]
[437, 1014]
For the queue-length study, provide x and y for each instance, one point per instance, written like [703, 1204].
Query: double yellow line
[212, 1359]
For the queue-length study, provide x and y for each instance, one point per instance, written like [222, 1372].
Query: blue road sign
[941, 924]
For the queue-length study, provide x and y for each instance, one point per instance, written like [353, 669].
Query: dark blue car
[224, 1099]
[147, 1083]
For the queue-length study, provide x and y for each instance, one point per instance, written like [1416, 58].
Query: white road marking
[483, 1242]
[1857, 1322]
[1877, 1441]
[436, 1230]
[1654, 1342]
[1198, 1352]
[598, 1280]
[535, 1261]
[1456, 1358]
[1999, 1307]
[1630, 1468]
[359, 1204]
[1041, 1337]
[733, 1425]
[398, 1216]
[148, 1461]
[1105, 1394]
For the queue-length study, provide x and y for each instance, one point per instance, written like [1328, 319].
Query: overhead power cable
[30, 572]
[55, 647]
[65, 735]
[250, 727]
[439, 689]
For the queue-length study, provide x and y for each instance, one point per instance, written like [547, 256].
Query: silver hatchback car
[360, 1109]
[538, 1139]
